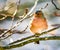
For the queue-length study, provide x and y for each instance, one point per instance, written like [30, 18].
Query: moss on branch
[32, 40]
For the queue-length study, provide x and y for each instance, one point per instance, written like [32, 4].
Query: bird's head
[38, 13]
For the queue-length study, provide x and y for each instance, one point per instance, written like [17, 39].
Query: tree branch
[32, 40]
[13, 32]
[34, 35]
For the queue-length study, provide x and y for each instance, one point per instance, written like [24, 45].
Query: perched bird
[38, 23]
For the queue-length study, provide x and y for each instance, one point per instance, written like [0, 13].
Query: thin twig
[55, 5]
[25, 12]
[55, 25]
[44, 6]
[5, 16]
[13, 16]
[13, 32]
[34, 35]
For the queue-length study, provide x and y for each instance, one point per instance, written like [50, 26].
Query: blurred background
[44, 45]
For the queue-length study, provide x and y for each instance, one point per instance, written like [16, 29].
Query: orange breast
[38, 24]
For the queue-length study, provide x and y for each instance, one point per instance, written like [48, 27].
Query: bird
[38, 23]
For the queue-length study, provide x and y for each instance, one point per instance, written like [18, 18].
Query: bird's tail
[37, 42]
